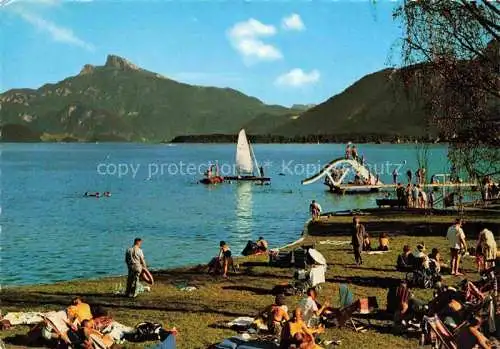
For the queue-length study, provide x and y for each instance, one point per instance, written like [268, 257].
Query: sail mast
[254, 159]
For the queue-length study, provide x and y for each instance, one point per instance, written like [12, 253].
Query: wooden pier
[359, 189]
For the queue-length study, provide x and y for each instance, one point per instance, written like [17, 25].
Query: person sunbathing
[471, 337]
[78, 312]
[221, 262]
[304, 341]
[435, 261]
[366, 242]
[421, 259]
[262, 245]
[296, 326]
[383, 242]
[277, 314]
[405, 260]
[84, 337]
[407, 306]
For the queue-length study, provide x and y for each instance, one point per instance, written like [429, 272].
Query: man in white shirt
[456, 239]
[310, 308]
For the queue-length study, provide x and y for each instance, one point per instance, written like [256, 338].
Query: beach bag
[146, 331]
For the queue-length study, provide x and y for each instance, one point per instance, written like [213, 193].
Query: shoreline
[222, 142]
[301, 238]
[331, 225]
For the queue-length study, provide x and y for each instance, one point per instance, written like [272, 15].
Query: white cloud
[56, 32]
[293, 22]
[31, 2]
[246, 36]
[297, 78]
[252, 28]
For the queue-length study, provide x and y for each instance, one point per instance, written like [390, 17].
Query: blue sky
[282, 52]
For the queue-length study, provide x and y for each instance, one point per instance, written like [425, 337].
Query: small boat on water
[212, 175]
[247, 167]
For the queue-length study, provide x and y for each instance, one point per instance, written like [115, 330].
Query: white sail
[244, 163]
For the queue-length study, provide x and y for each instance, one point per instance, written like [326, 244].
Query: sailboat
[247, 167]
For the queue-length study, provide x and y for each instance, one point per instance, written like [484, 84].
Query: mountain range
[121, 101]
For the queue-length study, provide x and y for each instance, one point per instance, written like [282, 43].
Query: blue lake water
[51, 233]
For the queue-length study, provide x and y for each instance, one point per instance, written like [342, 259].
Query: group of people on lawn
[485, 252]
[300, 329]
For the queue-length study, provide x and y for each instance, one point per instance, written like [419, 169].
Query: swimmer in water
[107, 194]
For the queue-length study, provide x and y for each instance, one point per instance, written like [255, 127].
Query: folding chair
[348, 307]
[440, 335]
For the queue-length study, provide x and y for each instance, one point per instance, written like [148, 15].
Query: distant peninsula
[337, 138]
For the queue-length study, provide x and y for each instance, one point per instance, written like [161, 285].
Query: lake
[50, 232]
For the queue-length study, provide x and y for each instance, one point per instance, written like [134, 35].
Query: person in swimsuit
[224, 257]
[262, 244]
[383, 242]
[297, 333]
[277, 315]
[471, 337]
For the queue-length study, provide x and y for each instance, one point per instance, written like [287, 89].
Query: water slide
[362, 171]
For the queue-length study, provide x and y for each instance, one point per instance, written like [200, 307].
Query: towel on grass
[241, 322]
[376, 252]
[23, 318]
[335, 242]
[117, 331]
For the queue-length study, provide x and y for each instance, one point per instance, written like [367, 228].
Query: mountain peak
[87, 69]
[118, 62]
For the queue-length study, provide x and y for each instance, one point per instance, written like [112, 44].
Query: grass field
[244, 294]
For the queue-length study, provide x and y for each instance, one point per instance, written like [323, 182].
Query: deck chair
[439, 334]
[168, 343]
[348, 307]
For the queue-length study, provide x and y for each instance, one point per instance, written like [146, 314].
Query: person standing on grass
[456, 239]
[358, 233]
[134, 258]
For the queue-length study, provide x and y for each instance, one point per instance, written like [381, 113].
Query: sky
[282, 52]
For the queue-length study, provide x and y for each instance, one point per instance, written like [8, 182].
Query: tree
[452, 54]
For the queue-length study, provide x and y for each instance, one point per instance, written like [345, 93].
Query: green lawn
[194, 314]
